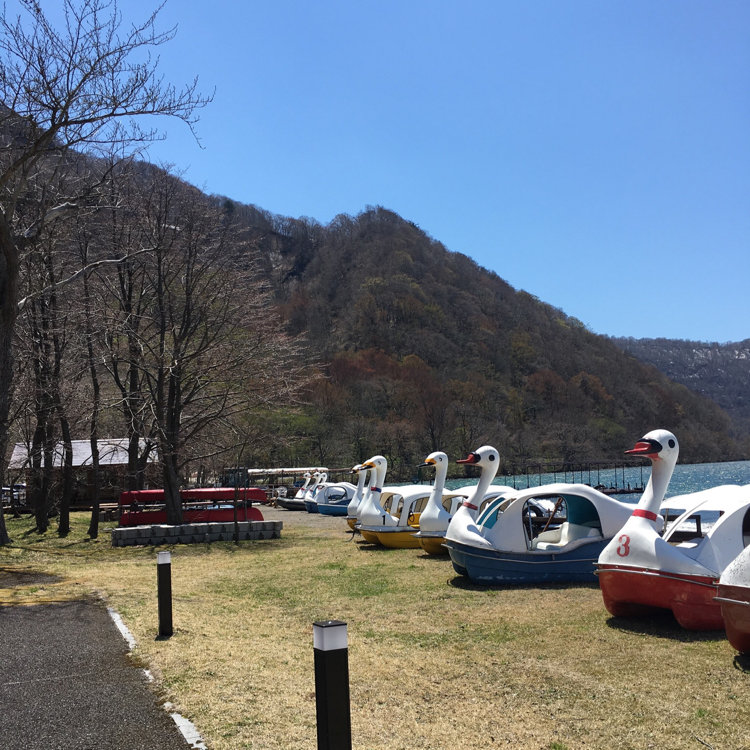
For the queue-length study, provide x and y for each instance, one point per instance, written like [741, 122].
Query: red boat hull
[201, 505]
[631, 592]
[204, 515]
[206, 494]
[735, 608]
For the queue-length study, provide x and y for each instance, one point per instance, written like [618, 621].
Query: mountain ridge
[385, 306]
[719, 371]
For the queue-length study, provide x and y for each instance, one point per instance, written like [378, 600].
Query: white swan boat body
[435, 517]
[334, 499]
[385, 514]
[316, 487]
[359, 494]
[509, 544]
[298, 501]
[648, 566]
[734, 597]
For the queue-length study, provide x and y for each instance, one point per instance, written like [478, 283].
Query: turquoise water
[686, 478]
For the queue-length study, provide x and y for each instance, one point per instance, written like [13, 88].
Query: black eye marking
[491, 457]
[671, 443]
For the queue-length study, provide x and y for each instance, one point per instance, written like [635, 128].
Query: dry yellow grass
[434, 662]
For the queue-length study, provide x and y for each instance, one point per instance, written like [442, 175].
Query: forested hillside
[134, 306]
[422, 349]
[719, 371]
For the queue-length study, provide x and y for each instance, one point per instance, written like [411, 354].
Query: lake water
[686, 478]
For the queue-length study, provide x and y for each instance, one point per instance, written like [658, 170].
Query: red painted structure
[632, 591]
[735, 609]
[204, 505]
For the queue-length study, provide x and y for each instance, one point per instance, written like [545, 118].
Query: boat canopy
[505, 522]
[721, 498]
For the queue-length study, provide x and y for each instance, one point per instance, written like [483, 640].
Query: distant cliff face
[719, 371]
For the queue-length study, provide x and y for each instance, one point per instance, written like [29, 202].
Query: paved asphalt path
[66, 682]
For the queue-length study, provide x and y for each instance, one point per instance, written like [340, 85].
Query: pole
[332, 685]
[164, 591]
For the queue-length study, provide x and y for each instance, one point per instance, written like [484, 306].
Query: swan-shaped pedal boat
[436, 514]
[540, 534]
[334, 499]
[426, 511]
[359, 493]
[378, 467]
[298, 501]
[320, 482]
[385, 516]
[734, 597]
[441, 506]
[676, 566]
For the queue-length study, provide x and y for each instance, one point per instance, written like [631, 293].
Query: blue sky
[595, 153]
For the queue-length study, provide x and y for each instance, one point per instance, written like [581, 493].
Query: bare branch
[86, 269]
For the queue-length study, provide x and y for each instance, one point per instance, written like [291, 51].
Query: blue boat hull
[311, 506]
[332, 510]
[491, 566]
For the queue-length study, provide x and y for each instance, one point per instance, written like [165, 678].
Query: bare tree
[87, 86]
[197, 340]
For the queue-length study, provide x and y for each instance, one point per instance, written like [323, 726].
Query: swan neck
[485, 479]
[657, 485]
[361, 482]
[440, 475]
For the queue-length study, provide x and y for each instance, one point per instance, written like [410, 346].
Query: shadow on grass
[662, 624]
[10, 578]
[742, 662]
[437, 558]
[373, 547]
[462, 582]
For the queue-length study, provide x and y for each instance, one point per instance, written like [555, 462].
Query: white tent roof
[112, 452]
[291, 470]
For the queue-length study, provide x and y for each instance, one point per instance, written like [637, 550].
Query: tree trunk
[93, 531]
[172, 490]
[8, 313]
[172, 429]
[63, 525]
[142, 464]
[38, 485]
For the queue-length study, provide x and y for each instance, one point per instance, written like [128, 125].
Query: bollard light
[332, 685]
[329, 635]
[164, 592]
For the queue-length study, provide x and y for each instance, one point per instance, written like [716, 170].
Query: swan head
[380, 465]
[375, 462]
[436, 459]
[662, 448]
[658, 445]
[485, 457]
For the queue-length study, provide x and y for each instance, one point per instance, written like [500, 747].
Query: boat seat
[565, 535]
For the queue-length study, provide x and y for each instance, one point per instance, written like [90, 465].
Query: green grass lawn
[434, 661]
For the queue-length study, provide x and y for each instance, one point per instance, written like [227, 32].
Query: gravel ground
[293, 518]
[67, 682]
